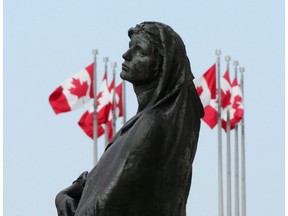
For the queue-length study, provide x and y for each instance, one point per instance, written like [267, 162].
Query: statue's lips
[125, 68]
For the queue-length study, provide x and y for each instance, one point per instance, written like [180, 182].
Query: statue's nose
[127, 56]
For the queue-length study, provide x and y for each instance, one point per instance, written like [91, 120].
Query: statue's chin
[137, 80]
[122, 74]
[125, 76]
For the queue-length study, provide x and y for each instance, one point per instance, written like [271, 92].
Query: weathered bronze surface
[146, 169]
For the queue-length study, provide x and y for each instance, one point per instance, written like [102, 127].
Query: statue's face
[140, 62]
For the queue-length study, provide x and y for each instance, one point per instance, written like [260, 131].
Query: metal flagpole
[105, 60]
[227, 58]
[243, 172]
[114, 65]
[95, 123]
[124, 101]
[220, 173]
[236, 157]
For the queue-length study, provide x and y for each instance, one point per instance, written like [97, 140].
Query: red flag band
[74, 92]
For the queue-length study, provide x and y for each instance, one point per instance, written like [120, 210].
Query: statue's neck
[144, 94]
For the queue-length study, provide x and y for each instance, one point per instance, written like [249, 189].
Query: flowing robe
[146, 170]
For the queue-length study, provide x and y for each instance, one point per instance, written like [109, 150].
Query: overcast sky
[46, 42]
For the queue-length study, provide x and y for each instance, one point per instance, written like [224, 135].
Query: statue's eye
[130, 44]
[141, 51]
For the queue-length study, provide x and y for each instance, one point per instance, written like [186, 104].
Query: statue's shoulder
[152, 120]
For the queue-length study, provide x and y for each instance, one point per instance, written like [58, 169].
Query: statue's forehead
[139, 39]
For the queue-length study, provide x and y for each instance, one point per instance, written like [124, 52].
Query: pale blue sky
[46, 42]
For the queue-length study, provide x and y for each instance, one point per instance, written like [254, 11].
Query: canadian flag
[74, 92]
[211, 111]
[226, 98]
[234, 106]
[237, 109]
[106, 115]
[206, 89]
[206, 86]
[231, 100]
[117, 109]
[103, 107]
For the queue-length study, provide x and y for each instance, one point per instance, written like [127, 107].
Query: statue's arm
[67, 200]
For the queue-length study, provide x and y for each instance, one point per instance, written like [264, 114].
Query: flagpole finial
[242, 69]
[105, 59]
[227, 58]
[218, 52]
[235, 63]
[113, 64]
[95, 52]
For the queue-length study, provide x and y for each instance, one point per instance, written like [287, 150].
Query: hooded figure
[146, 169]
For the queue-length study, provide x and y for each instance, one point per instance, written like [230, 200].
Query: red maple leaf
[98, 97]
[199, 90]
[225, 98]
[79, 89]
[237, 99]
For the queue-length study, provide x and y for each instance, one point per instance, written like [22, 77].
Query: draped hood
[175, 76]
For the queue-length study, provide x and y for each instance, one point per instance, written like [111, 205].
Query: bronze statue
[146, 169]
